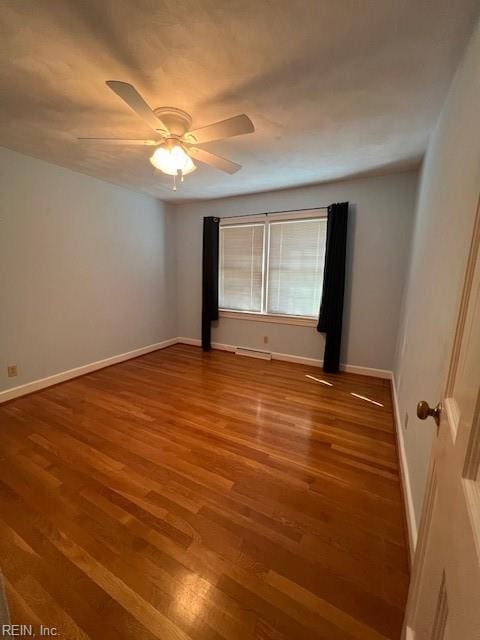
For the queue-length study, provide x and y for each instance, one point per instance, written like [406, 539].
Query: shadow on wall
[347, 304]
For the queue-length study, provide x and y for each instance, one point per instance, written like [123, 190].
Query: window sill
[272, 318]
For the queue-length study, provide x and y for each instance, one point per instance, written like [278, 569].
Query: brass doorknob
[424, 411]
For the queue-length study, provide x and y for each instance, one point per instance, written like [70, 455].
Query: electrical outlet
[12, 371]
[265, 339]
[405, 422]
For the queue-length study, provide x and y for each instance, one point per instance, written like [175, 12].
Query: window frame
[266, 220]
[220, 252]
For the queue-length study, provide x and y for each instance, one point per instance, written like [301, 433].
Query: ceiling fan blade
[236, 126]
[127, 141]
[130, 95]
[217, 162]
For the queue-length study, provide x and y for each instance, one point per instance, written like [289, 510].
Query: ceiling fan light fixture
[172, 160]
[177, 144]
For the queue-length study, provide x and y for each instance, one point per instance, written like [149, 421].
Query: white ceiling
[334, 88]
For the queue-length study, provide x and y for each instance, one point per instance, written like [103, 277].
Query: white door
[444, 598]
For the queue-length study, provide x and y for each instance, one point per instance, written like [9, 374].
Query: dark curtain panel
[209, 278]
[331, 308]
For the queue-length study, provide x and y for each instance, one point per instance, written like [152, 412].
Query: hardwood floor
[183, 495]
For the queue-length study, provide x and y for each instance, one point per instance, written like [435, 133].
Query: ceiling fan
[175, 144]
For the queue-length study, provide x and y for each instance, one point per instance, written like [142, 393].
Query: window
[241, 267]
[273, 266]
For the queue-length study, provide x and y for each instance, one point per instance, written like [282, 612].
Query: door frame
[472, 457]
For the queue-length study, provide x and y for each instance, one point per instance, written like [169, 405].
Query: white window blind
[295, 266]
[241, 267]
[273, 265]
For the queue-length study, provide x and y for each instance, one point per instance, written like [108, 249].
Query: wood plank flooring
[197, 496]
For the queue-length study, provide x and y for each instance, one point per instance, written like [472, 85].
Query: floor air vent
[253, 353]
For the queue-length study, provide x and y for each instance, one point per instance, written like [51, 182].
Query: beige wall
[382, 210]
[87, 269]
[449, 191]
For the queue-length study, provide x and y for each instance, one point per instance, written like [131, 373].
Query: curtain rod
[272, 213]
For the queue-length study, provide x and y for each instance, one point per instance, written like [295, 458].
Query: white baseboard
[407, 487]
[195, 342]
[275, 356]
[36, 385]
[219, 346]
[287, 357]
[367, 371]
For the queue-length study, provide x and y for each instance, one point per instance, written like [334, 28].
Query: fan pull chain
[179, 174]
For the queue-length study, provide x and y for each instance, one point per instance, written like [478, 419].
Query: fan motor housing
[177, 121]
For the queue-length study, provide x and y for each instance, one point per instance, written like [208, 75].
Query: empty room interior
[239, 319]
